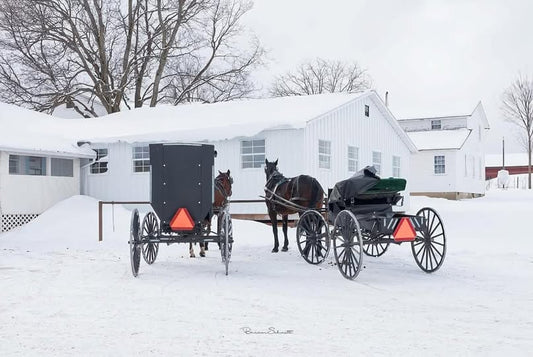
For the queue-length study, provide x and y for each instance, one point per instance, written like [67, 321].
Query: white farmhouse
[38, 167]
[328, 136]
[451, 153]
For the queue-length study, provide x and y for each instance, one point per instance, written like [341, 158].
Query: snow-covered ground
[64, 293]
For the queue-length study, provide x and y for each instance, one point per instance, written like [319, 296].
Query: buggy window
[252, 153]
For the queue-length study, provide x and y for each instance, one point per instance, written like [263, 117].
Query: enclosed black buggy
[182, 200]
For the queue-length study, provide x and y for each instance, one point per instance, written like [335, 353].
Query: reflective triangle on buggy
[404, 231]
[182, 221]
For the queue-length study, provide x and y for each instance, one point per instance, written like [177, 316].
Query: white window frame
[140, 159]
[100, 167]
[253, 153]
[377, 160]
[353, 158]
[439, 164]
[324, 154]
[436, 124]
[396, 166]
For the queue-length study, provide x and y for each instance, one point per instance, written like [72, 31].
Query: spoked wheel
[226, 238]
[150, 231]
[429, 246]
[135, 242]
[312, 237]
[373, 248]
[348, 244]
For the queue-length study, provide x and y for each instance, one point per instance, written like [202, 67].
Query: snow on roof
[26, 131]
[437, 118]
[218, 121]
[439, 139]
[514, 159]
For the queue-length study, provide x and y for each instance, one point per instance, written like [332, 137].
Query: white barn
[450, 161]
[37, 168]
[328, 136]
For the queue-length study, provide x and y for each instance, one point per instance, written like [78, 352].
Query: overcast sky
[434, 57]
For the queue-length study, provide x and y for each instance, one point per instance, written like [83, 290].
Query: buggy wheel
[226, 238]
[149, 232]
[429, 246]
[312, 237]
[373, 249]
[348, 244]
[135, 243]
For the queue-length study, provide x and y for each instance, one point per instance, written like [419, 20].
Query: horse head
[224, 181]
[270, 168]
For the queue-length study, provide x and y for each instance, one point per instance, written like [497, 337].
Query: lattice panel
[10, 221]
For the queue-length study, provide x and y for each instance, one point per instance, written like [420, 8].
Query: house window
[99, 167]
[324, 154]
[27, 165]
[436, 125]
[62, 167]
[396, 166]
[141, 159]
[367, 110]
[252, 153]
[353, 159]
[439, 164]
[376, 161]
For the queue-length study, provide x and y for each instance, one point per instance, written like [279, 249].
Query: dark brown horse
[223, 184]
[286, 196]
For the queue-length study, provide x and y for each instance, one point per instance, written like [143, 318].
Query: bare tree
[78, 52]
[517, 107]
[322, 76]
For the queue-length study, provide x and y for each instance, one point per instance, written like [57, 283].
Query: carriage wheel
[348, 244]
[312, 237]
[429, 247]
[150, 231]
[226, 238]
[373, 249]
[135, 243]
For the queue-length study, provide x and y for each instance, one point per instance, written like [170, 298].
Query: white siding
[347, 126]
[423, 177]
[295, 149]
[25, 194]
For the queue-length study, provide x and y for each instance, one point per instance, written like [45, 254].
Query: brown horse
[286, 196]
[223, 184]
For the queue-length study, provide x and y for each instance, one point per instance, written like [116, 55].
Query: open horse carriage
[182, 196]
[360, 211]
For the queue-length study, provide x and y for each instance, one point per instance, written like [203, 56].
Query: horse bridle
[219, 185]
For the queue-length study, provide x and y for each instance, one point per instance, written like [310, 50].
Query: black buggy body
[182, 177]
[182, 199]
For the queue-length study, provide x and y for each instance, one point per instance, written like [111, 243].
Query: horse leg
[286, 241]
[202, 249]
[191, 251]
[274, 221]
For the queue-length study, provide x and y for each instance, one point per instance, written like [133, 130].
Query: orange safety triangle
[182, 221]
[404, 231]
